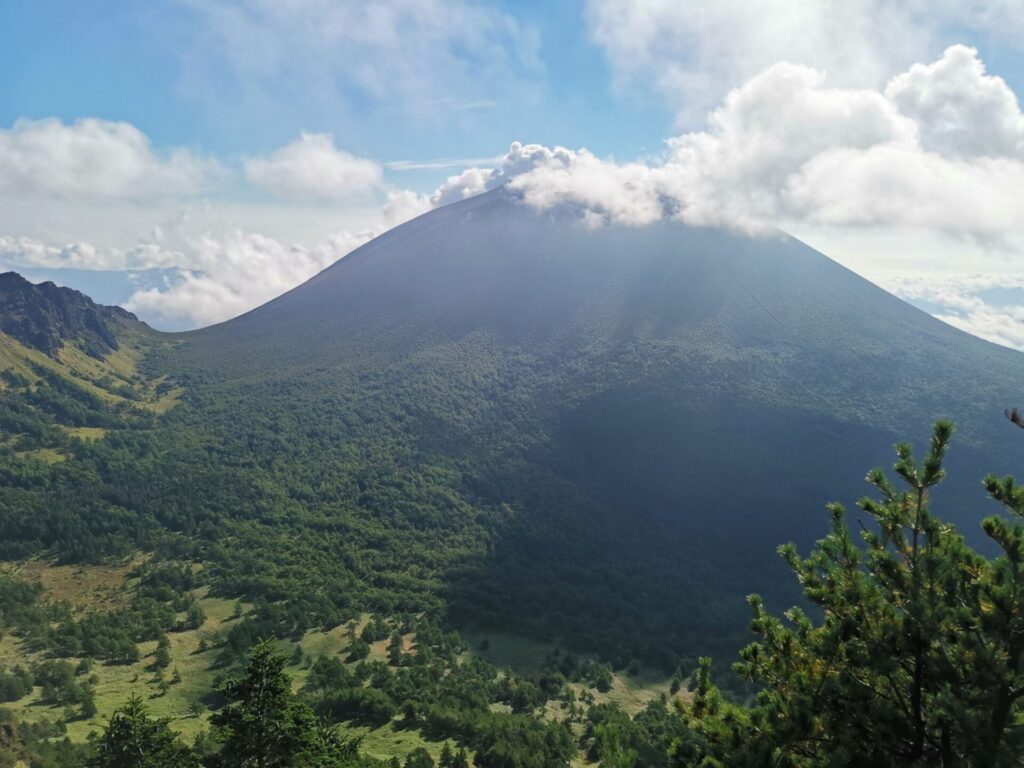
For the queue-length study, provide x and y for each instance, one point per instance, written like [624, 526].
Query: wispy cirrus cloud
[440, 164]
[414, 56]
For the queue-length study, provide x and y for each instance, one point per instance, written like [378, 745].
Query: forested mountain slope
[506, 419]
[68, 371]
[600, 434]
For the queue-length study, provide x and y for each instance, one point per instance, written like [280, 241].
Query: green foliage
[105, 635]
[266, 726]
[419, 758]
[133, 739]
[60, 686]
[16, 684]
[194, 616]
[376, 629]
[263, 725]
[358, 649]
[42, 744]
[409, 441]
[917, 658]
[395, 648]
[162, 656]
[446, 695]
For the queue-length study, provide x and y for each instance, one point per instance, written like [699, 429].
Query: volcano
[501, 417]
[607, 431]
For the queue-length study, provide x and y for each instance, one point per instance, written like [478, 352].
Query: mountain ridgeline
[46, 316]
[506, 420]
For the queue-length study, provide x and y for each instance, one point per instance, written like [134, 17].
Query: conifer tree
[87, 703]
[267, 726]
[195, 616]
[419, 758]
[133, 739]
[395, 648]
[162, 657]
[264, 726]
[916, 660]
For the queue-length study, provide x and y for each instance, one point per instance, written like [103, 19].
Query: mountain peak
[46, 316]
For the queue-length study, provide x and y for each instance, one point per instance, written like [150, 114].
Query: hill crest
[46, 316]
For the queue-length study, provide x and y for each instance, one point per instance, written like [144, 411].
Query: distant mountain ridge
[45, 316]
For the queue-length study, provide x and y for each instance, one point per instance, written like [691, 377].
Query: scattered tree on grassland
[267, 726]
[133, 739]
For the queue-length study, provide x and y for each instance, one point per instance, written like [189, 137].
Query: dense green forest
[435, 689]
[912, 656]
[371, 518]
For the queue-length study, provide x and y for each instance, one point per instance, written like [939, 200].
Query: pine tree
[447, 758]
[267, 726]
[395, 649]
[87, 703]
[916, 660]
[264, 726]
[329, 749]
[132, 739]
[419, 758]
[461, 759]
[162, 657]
[195, 616]
[358, 650]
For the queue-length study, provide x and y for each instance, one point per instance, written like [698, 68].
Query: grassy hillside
[181, 692]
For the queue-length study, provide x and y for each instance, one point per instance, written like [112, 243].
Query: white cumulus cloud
[987, 305]
[29, 253]
[311, 167]
[94, 160]
[691, 53]
[520, 158]
[961, 110]
[226, 276]
[935, 151]
[788, 149]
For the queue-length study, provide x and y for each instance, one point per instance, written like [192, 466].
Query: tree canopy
[915, 656]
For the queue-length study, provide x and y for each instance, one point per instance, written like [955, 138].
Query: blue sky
[193, 158]
[147, 64]
[132, 62]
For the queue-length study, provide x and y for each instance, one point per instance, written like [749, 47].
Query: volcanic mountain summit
[651, 409]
